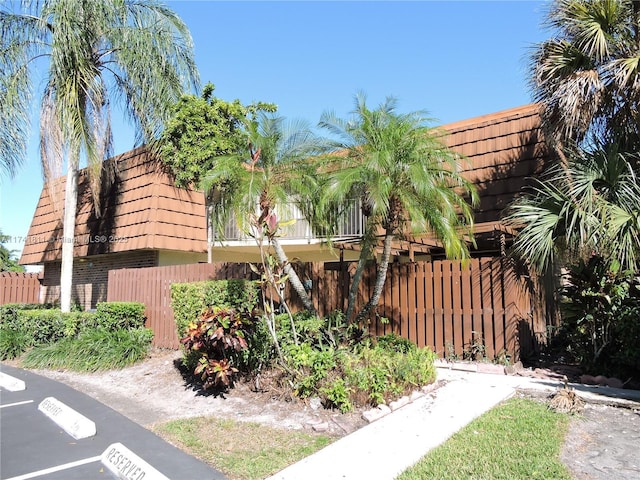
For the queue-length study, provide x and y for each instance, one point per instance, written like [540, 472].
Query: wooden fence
[452, 308]
[19, 287]
[152, 286]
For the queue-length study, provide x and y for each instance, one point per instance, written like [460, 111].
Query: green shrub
[338, 394]
[309, 366]
[22, 328]
[359, 377]
[120, 315]
[13, 342]
[42, 326]
[92, 350]
[395, 343]
[261, 351]
[600, 311]
[190, 300]
[25, 306]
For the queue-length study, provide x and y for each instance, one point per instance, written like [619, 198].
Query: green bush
[359, 377]
[600, 311]
[120, 315]
[310, 366]
[13, 342]
[92, 350]
[9, 311]
[190, 300]
[395, 343]
[22, 328]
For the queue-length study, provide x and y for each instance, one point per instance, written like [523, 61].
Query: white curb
[126, 465]
[72, 422]
[11, 383]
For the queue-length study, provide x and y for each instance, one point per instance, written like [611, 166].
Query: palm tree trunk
[355, 284]
[68, 236]
[293, 276]
[209, 213]
[381, 277]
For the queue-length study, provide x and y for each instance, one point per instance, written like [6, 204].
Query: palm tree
[587, 75]
[276, 173]
[201, 130]
[404, 176]
[135, 52]
[595, 208]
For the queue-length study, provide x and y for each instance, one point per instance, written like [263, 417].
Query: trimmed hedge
[189, 300]
[21, 327]
[120, 315]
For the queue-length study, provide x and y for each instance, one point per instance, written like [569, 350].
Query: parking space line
[16, 404]
[59, 468]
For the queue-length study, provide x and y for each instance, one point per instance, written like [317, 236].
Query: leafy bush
[216, 339]
[309, 366]
[10, 309]
[358, 377]
[92, 350]
[13, 342]
[120, 315]
[395, 343]
[190, 300]
[22, 328]
[600, 311]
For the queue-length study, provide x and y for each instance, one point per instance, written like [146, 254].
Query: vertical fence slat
[412, 326]
[447, 300]
[456, 301]
[421, 311]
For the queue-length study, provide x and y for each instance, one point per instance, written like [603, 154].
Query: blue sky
[455, 59]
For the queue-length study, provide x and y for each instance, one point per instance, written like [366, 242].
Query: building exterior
[146, 221]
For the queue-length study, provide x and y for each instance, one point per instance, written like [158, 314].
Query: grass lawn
[519, 439]
[241, 450]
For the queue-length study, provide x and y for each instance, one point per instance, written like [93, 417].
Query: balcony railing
[351, 225]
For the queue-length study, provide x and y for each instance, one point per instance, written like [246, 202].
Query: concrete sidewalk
[388, 446]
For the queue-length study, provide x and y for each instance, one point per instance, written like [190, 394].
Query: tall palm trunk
[381, 277]
[68, 235]
[292, 275]
[355, 283]
[209, 211]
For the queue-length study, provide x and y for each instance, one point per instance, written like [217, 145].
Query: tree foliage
[586, 75]
[591, 204]
[260, 186]
[203, 129]
[406, 179]
[8, 263]
[136, 54]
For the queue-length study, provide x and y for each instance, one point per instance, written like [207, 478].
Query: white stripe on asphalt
[59, 468]
[16, 404]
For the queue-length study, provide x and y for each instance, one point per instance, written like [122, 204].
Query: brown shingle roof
[141, 209]
[502, 149]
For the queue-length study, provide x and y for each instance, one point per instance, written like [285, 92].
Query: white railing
[351, 225]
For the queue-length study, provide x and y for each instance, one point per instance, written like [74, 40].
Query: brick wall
[90, 275]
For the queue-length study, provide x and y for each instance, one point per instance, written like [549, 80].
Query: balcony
[351, 226]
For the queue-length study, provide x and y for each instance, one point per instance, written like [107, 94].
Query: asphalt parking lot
[38, 426]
